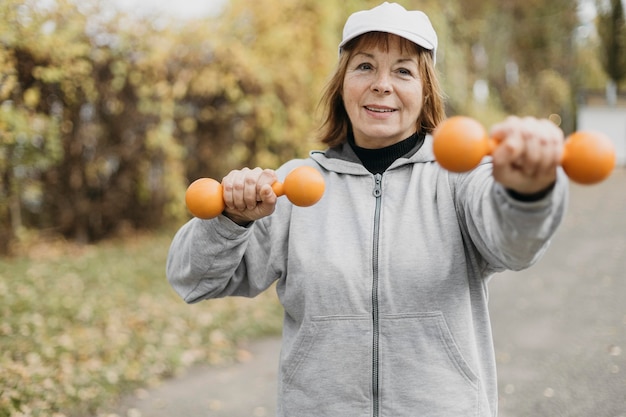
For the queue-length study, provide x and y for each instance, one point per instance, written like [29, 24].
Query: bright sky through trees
[178, 8]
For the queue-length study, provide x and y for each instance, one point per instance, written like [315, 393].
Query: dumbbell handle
[304, 186]
[460, 143]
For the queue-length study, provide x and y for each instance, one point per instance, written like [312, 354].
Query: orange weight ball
[204, 198]
[304, 186]
[460, 143]
[588, 157]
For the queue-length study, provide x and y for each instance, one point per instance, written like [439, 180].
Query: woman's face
[382, 94]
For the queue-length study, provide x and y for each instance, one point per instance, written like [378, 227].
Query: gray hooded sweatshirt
[383, 283]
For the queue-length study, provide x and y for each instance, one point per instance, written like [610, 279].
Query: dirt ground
[559, 330]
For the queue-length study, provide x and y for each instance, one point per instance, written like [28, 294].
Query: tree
[532, 65]
[106, 118]
[611, 26]
[86, 135]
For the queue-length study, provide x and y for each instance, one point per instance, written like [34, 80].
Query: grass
[83, 325]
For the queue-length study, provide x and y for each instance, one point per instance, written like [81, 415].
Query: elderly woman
[384, 281]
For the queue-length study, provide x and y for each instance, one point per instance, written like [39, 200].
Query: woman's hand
[248, 194]
[528, 153]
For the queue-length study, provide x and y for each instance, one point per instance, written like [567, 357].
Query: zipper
[375, 320]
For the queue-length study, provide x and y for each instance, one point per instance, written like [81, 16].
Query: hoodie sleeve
[217, 258]
[212, 259]
[508, 233]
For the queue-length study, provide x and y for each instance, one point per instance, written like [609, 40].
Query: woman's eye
[364, 66]
[404, 71]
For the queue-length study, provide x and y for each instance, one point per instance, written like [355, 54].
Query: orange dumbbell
[460, 142]
[304, 186]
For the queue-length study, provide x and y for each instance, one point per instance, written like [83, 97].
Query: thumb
[267, 194]
[268, 199]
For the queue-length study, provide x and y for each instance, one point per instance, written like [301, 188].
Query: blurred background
[108, 112]
[109, 109]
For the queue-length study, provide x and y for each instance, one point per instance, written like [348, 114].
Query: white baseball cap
[395, 19]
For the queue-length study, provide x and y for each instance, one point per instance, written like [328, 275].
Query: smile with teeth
[379, 110]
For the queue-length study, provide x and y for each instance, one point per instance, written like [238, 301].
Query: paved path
[559, 329]
[246, 389]
[560, 326]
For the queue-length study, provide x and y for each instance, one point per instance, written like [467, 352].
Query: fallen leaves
[81, 328]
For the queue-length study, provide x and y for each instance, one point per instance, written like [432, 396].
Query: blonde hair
[336, 123]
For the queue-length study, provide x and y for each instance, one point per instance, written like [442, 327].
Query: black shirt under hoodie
[377, 161]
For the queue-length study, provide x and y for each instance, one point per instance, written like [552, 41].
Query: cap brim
[424, 43]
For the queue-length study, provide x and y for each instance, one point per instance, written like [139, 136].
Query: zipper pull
[378, 188]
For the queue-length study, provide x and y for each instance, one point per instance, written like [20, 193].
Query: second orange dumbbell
[460, 143]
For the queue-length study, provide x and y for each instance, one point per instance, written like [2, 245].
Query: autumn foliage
[105, 118]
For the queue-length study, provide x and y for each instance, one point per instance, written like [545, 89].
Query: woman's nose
[382, 83]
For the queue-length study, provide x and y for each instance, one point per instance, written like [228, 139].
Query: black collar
[377, 161]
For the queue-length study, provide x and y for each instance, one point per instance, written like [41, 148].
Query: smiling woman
[414, 68]
[383, 90]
